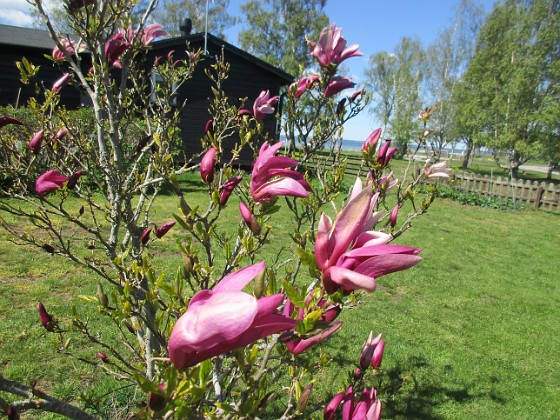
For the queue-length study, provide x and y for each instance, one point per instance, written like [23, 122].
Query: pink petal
[222, 317]
[349, 279]
[322, 242]
[384, 264]
[236, 281]
[331, 407]
[349, 222]
[300, 345]
[281, 186]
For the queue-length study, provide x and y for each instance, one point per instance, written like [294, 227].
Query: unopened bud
[187, 264]
[46, 319]
[156, 401]
[258, 284]
[48, 248]
[102, 356]
[207, 165]
[12, 413]
[129, 327]
[393, 217]
[209, 128]
[146, 236]
[302, 402]
[357, 374]
[101, 296]
[250, 219]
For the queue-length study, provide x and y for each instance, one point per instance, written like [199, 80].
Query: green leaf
[293, 295]
[204, 372]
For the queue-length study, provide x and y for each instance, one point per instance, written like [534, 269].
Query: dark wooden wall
[14, 92]
[246, 80]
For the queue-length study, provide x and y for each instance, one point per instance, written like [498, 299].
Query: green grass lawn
[472, 332]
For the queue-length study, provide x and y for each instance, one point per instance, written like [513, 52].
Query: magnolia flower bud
[12, 413]
[46, 319]
[129, 327]
[207, 165]
[228, 188]
[302, 401]
[393, 217]
[250, 219]
[163, 229]
[146, 235]
[61, 134]
[209, 127]
[37, 141]
[101, 296]
[156, 401]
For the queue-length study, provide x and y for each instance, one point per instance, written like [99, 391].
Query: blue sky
[376, 25]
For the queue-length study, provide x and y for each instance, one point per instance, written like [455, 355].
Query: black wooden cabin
[248, 76]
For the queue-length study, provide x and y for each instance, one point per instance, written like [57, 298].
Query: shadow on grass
[415, 389]
[410, 397]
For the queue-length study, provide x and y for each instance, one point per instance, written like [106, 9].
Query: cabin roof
[177, 42]
[40, 39]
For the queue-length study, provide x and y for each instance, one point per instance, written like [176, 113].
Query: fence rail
[539, 195]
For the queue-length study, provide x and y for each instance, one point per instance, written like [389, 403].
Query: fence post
[538, 197]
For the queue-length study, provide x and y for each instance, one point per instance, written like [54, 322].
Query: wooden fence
[535, 194]
[539, 195]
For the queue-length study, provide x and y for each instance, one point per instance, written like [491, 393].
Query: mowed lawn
[472, 332]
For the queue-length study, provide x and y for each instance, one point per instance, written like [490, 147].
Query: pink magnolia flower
[220, 320]
[152, 32]
[372, 352]
[270, 176]
[264, 104]
[385, 153]
[331, 48]
[385, 184]
[371, 141]
[299, 345]
[114, 48]
[368, 407]
[228, 188]
[58, 54]
[49, 182]
[37, 141]
[305, 83]
[207, 165]
[60, 83]
[163, 229]
[338, 84]
[437, 170]
[5, 120]
[350, 254]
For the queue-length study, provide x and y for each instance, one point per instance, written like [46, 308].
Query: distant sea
[349, 145]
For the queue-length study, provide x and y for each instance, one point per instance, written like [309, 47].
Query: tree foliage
[512, 77]
[276, 29]
[170, 13]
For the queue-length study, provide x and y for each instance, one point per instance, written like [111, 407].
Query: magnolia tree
[223, 337]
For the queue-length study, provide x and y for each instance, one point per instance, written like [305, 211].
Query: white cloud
[13, 16]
